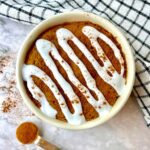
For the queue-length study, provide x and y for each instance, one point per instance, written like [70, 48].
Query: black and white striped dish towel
[132, 16]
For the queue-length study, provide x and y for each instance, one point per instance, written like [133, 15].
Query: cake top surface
[67, 80]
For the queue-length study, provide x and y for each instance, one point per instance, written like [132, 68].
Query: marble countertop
[127, 130]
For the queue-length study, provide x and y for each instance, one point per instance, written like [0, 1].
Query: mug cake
[75, 72]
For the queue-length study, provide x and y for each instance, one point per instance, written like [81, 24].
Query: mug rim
[55, 20]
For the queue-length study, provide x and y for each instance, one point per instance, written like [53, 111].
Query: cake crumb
[39, 94]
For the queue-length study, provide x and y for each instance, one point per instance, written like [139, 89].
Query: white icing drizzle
[116, 81]
[93, 34]
[49, 47]
[30, 70]
[45, 48]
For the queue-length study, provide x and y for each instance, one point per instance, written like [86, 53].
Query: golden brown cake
[75, 72]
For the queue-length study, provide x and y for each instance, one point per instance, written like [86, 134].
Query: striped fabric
[132, 16]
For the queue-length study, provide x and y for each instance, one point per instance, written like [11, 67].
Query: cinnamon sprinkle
[8, 105]
[104, 103]
[39, 94]
[81, 114]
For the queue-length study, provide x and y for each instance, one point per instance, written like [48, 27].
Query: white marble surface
[127, 130]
